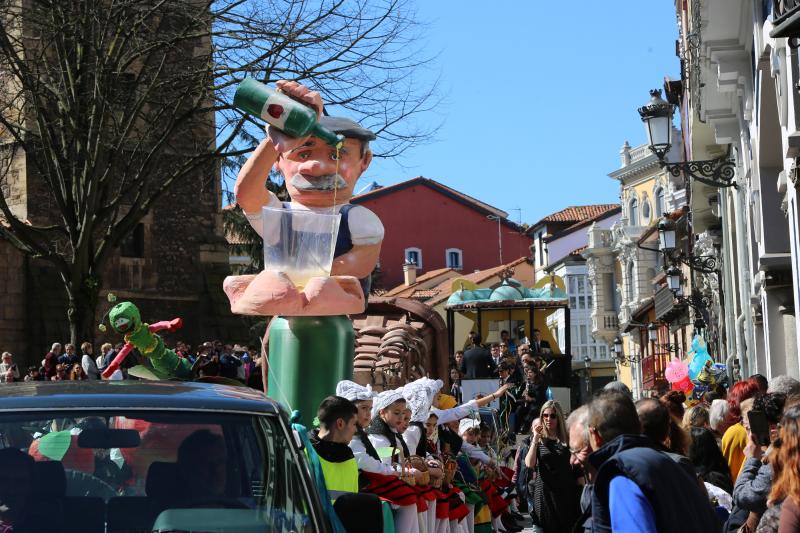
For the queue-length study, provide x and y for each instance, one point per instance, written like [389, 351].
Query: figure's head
[337, 419]
[69, 349]
[202, 464]
[611, 414]
[405, 421]
[537, 335]
[430, 425]
[7, 358]
[124, 317]
[56, 348]
[455, 375]
[393, 414]
[459, 357]
[504, 336]
[310, 171]
[578, 430]
[552, 420]
[364, 412]
[495, 349]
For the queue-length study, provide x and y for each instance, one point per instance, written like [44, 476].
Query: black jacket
[669, 488]
[477, 363]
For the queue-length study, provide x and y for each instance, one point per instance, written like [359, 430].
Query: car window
[132, 471]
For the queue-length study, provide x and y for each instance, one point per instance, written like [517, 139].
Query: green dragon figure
[126, 319]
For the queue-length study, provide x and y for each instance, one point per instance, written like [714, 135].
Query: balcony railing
[785, 18]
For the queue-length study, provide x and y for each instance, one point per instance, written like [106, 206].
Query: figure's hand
[537, 432]
[304, 95]
[752, 449]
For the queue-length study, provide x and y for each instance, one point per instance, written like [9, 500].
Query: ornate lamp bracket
[719, 172]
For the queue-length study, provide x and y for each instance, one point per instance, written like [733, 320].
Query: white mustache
[328, 182]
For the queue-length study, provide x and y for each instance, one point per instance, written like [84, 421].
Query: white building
[739, 96]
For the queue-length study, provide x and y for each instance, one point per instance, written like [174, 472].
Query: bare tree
[113, 102]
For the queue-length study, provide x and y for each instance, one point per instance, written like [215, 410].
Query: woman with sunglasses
[553, 488]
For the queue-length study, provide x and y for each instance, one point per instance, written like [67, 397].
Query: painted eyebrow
[307, 144]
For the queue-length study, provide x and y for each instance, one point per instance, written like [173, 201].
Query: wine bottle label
[276, 109]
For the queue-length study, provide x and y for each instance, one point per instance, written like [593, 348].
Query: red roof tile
[579, 213]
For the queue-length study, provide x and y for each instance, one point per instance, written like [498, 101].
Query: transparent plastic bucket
[299, 243]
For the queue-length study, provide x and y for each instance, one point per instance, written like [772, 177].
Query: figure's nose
[315, 167]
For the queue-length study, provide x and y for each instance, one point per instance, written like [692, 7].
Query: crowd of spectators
[65, 362]
[522, 364]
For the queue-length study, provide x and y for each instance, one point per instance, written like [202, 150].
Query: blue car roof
[131, 394]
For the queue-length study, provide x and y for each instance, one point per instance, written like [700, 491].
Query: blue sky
[538, 98]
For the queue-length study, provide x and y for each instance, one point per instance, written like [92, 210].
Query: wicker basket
[406, 474]
[436, 473]
[419, 464]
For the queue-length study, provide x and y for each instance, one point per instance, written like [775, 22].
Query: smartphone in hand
[759, 427]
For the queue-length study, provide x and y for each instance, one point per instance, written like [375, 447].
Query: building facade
[434, 227]
[626, 270]
[739, 103]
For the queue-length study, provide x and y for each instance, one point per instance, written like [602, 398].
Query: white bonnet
[385, 399]
[353, 391]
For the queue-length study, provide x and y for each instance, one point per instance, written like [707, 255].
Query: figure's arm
[358, 262]
[250, 189]
[169, 325]
[115, 364]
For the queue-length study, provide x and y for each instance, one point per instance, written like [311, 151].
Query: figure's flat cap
[349, 128]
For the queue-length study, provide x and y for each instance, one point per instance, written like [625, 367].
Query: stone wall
[13, 337]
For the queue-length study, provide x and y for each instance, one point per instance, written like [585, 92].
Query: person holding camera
[8, 368]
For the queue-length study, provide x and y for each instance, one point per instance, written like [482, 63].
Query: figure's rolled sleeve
[365, 227]
[256, 220]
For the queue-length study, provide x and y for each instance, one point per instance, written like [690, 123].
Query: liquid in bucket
[299, 243]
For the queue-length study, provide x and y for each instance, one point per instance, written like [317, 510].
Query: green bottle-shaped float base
[308, 356]
[280, 111]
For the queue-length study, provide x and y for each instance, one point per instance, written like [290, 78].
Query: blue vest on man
[678, 503]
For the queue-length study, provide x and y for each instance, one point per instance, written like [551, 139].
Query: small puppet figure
[125, 319]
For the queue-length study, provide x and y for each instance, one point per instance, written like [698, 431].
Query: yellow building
[624, 272]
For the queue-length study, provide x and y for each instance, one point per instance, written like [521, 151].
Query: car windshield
[125, 471]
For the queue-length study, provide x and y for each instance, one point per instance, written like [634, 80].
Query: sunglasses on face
[548, 416]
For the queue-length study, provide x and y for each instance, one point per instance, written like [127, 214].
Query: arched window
[659, 195]
[414, 255]
[645, 211]
[633, 212]
[630, 282]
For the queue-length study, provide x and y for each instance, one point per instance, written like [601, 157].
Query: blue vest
[678, 503]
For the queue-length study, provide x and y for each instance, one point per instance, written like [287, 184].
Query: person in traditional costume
[358, 512]
[379, 477]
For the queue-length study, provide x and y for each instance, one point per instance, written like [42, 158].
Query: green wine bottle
[278, 110]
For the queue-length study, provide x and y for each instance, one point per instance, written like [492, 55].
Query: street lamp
[657, 118]
[587, 363]
[666, 236]
[652, 332]
[674, 279]
[617, 347]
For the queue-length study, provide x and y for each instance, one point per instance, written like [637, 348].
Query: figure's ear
[366, 160]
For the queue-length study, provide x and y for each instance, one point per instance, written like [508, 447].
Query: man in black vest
[637, 487]
[477, 363]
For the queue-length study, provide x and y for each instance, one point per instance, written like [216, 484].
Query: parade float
[319, 250]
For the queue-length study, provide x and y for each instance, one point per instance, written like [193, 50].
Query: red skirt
[456, 509]
[391, 489]
[442, 505]
[425, 494]
[497, 505]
